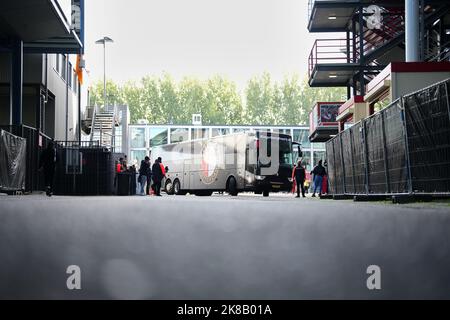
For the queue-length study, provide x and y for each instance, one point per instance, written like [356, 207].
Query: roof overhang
[40, 24]
[337, 74]
[333, 75]
[331, 16]
[323, 134]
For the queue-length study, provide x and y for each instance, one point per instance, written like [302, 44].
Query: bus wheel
[169, 187]
[177, 188]
[265, 193]
[232, 186]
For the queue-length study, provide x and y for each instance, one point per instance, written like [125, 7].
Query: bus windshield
[284, 149]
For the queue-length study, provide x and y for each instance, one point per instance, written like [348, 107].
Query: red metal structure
[322, 121]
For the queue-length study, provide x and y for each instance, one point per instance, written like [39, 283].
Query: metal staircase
[103, 128]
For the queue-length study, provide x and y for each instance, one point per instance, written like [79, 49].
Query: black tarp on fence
[404, 148]
[428, 132]
[12, 162]
[36, 142]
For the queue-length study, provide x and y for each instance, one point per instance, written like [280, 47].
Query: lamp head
[104, 40]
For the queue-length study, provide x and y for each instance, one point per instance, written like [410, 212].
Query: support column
[16, 87]
[362, 61]
[412, 31]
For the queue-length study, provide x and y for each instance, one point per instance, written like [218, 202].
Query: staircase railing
[392, 26]
[113, 129]
[94, 113]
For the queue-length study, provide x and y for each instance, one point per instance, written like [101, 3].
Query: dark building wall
[32, 79]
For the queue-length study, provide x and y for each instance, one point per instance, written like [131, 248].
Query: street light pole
[104, 73]
[103, 41]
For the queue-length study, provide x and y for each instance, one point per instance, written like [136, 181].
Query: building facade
[367, 54]
[51, 94]
[143, 137]
[39, 86]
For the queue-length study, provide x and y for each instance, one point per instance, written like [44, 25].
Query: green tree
[192, 98]
[259, 98]
[224, 101]
[113, 93]
[132, 96]
[162, 100]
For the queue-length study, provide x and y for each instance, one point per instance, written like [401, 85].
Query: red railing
[392, 26]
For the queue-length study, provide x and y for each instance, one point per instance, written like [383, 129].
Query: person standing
[157, 175]
[145, 175]
[299, 173]
[119, 167]
[318, 172]
[47, 163]
[163, 169]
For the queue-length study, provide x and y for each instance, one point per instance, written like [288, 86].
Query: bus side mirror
[300, 153]
[166, 168]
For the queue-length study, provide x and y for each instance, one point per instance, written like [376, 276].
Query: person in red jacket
[163, 169]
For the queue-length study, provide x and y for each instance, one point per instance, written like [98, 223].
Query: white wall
[57, 86]
[408, 82]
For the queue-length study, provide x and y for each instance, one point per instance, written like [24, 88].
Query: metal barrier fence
[36, 142]
[84, 168]
[12, 162]
[403, 149]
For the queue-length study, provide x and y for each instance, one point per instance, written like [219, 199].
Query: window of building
[283, 131]
[235, 130]
[319, 145]
[137, 156]
[318, 155]
[74, 81]
[70, 75]
[220, 131]
[179, 135]
[118, 139]
[137, 137]
[306, 158]
[196, 119]
[301, 136]
[64, 67]
[383, 102]
[199, 133]
[158, 136]
[58, 64]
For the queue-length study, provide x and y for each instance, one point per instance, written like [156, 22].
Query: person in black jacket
[157, 176]
[47, 162]
[300, 176]
[145, 175]
[318, 172]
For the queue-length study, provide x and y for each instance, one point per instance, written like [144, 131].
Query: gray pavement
[248, 247]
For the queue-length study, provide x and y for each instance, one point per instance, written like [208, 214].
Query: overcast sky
[236, 38]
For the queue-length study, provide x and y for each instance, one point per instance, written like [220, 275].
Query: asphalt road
[248, 247]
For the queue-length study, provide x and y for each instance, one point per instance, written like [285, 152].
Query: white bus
[259, 162]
